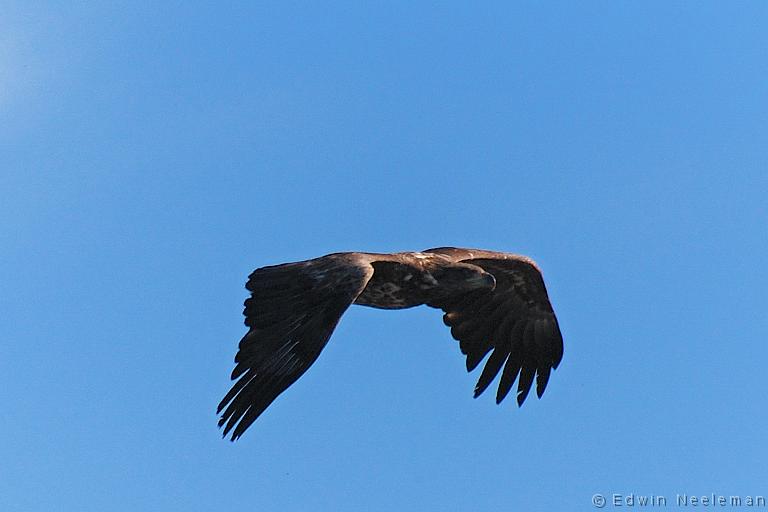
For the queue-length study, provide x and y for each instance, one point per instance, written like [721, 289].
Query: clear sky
[152, 154]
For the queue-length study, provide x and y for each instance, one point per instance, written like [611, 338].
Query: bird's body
[408, 279]
[492, 302]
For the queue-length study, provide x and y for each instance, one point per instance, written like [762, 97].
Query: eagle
[492, 301]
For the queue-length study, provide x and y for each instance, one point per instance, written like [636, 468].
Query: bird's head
[461, 277]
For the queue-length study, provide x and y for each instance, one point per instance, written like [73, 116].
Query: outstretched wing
[515, 321]
[292, 311]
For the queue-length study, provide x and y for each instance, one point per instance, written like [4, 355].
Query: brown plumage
[493, 302]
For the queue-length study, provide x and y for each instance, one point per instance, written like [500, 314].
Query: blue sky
[154, 153]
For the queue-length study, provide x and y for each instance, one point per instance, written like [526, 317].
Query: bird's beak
[485, 281]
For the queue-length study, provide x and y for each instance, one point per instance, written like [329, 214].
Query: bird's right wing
[515, 321]
[292, 311]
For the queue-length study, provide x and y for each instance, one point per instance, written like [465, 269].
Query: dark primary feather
[291, 313]
[514, 322]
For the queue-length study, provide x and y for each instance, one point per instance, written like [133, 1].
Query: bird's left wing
[292, 311]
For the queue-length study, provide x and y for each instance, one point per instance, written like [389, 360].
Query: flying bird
[492, 301]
